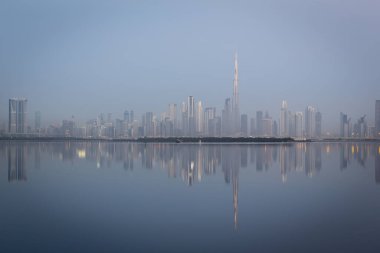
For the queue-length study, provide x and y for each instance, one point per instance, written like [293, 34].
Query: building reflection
[232, 158]
[193, 163]
[16, 162]
[377, 164]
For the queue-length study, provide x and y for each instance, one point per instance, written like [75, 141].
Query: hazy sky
[82, 58]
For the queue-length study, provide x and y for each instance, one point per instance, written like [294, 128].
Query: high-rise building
[253, 127]
[298, 125]
[267, 126]
[119, 128]
[172, 114]
[217, 126]
[244, 125]
[131, 116]
[37, 121]
[284, 122]
[209, 116]
[310, 122]
[259, 123]
[318, 124]
[235, 100]
[184, 119]
[67, 128]
[274, 129]
[17, 115]
[344, 125]
[127, 117]
[101, 120]
[191, 115]
[360, 128]
[291, 129]
[109, 118]
[148, 124]
[227, 118]
[199, 118]
[377, 119]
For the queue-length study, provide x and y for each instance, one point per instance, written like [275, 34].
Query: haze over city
[84, 58]
[190, 126]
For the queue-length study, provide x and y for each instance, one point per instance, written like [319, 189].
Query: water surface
[130, 197]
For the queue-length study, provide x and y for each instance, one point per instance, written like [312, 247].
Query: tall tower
[298, 125]
[191, 115]
[235, 99]
[344, 125]
[199, 118]
[228, 118]
[37, 121]
[17, 115]
[318, 124]
[377, 119]
[310, 122]
[284, 122]
[172, 112]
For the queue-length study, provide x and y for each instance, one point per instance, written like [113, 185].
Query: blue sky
[86, 57]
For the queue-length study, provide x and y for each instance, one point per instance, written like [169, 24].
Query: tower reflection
[193, 163]
[377, 164]
[16, 162]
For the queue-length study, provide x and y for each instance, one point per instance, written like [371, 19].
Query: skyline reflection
[192, 163]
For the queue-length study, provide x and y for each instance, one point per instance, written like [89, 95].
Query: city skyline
[192, 120]
[323, 54]
[235, 110]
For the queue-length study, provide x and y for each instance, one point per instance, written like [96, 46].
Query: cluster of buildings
[349, 128]
[192, 119]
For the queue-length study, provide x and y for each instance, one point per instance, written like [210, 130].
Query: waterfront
[134, 197]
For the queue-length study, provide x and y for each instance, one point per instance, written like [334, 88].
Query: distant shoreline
[184, 139]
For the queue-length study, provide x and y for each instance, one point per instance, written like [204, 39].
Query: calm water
[124, 197]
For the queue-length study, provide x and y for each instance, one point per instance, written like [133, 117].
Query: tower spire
[235, 98]
[236, 83]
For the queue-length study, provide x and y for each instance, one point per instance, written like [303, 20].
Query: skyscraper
[131, 116]
[244, 125]
[127, 116]
[377, 119]
[274, 129]
[37, 121]
[191, 115]
[344, 125]
[284, 122]
[253, 127]
[310, 122]
[259, 123]
[17, 115]
[318, 124]
[172, 114]
[184, 119]
[148, 124]
[199, 118]
[267, 124]
[209, 116]
[235, 100]
[227, 118]
[298, 125]
[291, 127]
